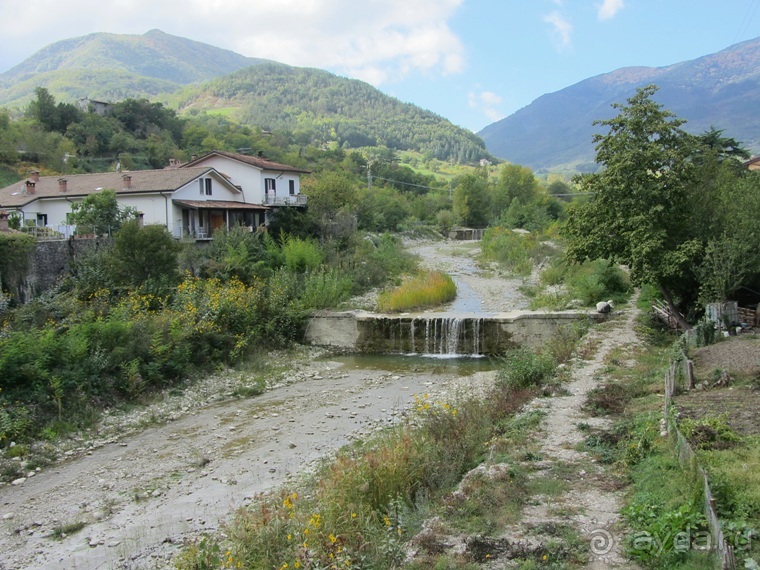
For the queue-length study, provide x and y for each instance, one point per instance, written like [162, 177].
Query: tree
[640, 212]
[100, 213]
[470, 201]
[145, 257]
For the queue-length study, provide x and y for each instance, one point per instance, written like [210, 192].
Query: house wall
[247, 177]
[251, 179]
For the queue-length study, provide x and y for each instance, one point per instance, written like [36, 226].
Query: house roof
[80, 185]
[220, 205]
[257, 161]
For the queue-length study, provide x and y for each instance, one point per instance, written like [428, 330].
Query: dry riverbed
[149, 480]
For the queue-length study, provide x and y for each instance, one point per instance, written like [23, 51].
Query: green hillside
[316, 104]
[117, 66]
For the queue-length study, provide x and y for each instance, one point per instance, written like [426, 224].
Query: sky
[471, 61]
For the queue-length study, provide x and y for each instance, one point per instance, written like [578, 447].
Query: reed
[424, 290]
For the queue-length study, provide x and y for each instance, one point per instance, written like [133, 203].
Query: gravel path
[593, 501]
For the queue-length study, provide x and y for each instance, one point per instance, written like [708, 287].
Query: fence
[688, 460]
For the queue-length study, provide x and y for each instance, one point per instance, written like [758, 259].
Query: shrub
[522, 368]
[426, 290]
[301, 255]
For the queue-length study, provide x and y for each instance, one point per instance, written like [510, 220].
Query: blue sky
[471, 61]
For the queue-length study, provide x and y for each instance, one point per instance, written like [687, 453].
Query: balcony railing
[295, 200]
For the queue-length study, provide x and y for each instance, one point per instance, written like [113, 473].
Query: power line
[407, 183]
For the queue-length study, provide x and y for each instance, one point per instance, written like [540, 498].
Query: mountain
[312, 102]
[555, 131]
[317, 105]
[116, 66]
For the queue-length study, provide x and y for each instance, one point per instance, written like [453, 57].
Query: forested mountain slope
[720, 90]
[316, 105]
[116, 66]
[312, 101]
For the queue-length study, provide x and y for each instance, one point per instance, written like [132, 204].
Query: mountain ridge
[555, 131]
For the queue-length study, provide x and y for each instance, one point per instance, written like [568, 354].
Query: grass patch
[61, 532]
[425, 290]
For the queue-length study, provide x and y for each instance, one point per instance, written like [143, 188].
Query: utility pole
[369, 176]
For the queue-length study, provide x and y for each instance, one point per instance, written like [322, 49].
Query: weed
[65, 530]
[425, 290]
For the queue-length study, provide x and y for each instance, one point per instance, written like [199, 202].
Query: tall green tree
[640, 213]
[100, 213]
[471, 200]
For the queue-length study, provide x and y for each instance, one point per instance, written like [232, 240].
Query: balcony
[295, 200]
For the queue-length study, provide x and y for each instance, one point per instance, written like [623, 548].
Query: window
[208, 186]
[205, 186]
[292, 187]
[269, 184]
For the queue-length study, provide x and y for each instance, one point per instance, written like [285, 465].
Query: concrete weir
[439, 333]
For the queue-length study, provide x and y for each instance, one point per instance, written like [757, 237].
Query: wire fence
[680, 375]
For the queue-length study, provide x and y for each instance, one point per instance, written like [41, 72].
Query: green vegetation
[361, 507]
[666, 206]
[126, 323]
[428, 289]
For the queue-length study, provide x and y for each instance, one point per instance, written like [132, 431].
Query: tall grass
[426, 290]
[516, 252]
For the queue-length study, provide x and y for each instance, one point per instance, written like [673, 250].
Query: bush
[426, 290]
[301, 255]
[522, 368]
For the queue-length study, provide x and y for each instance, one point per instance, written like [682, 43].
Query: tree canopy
[654, 204]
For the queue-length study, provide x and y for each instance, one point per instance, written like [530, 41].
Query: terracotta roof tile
[256, 161]
[79, 185]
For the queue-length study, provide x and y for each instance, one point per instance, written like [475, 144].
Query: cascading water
[434, 335]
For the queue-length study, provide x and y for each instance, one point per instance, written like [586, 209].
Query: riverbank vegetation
[116, 333]
[361, 507]
[424, 290]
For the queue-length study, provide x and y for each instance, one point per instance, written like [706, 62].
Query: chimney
[30, 187]
[172, 163]
[62, 185]
[4, 227]
[127, 180]
[35, 175]
[194, 157]
[140, 217]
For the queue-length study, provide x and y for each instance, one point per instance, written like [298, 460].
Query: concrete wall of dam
[439, 333]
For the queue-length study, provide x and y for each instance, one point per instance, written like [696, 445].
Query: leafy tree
[470, 203]
[100, 213]
[145, 257]
[640, 213]
[52, 117]
[514, 181]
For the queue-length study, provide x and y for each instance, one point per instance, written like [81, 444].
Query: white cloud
[561, 29]
[608, 9]
[486, 102]
[375, 40]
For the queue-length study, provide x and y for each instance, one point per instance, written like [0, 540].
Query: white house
[262, 181]
[189, 202]
[219, 189]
